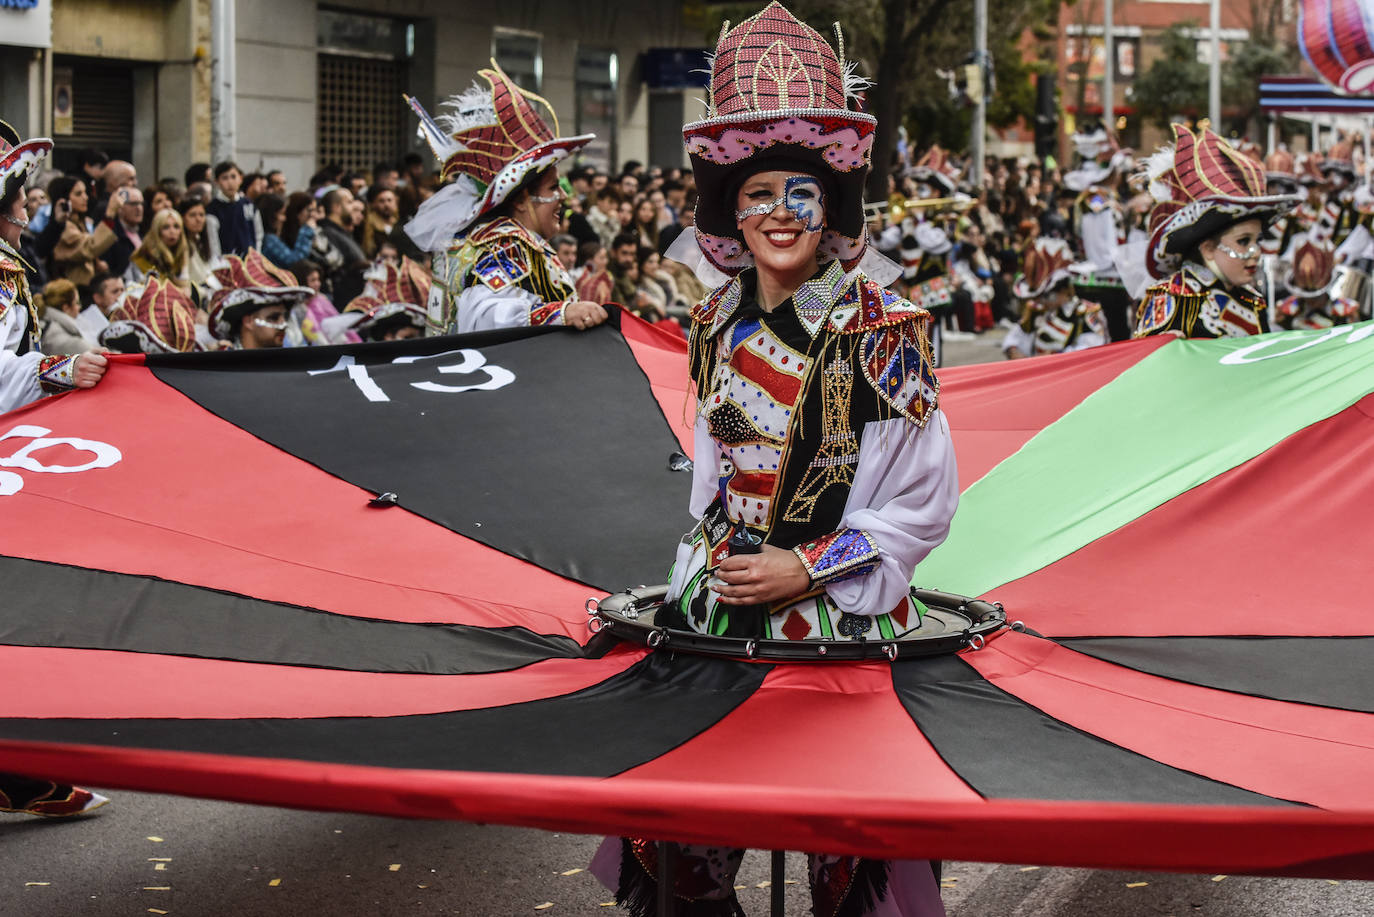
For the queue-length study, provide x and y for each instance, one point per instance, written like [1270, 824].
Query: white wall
[275, 89]
[30, 28]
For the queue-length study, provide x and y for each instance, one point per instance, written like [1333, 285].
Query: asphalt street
[150, 854]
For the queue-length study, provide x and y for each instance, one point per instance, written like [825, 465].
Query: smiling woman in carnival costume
[818, 440]
[489, 226]
[1206, 226]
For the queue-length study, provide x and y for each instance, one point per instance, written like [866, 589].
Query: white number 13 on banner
[472, 361]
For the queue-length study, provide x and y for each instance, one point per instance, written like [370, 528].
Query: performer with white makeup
[489, 226]
[1205, 232]
[819, 445]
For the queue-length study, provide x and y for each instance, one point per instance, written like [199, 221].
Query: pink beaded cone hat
[779, 99]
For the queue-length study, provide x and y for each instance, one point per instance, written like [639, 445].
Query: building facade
[294, 84]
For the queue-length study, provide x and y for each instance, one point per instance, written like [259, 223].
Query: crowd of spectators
[99, 226]
[991, 227]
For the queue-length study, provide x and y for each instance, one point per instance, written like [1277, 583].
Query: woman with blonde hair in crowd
[164, 252]
[202, 245]
[61, 333]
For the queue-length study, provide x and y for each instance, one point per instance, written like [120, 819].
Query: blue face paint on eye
[804, 199]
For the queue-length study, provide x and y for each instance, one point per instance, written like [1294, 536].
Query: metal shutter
[102, 107]
[362, 120]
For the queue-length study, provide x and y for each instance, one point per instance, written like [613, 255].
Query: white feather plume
[1155, 166]
[470, 108]
[854, 82]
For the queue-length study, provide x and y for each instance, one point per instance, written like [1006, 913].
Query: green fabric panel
[1181, 416]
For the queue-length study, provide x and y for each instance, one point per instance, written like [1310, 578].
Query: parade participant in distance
[392, 307]
[490, 223]
[1338, 168]
[250, 300]
[1099, 224]
[1053, 319]
[817, 434]
[1205, 230]
[154, 317]
[925, 241]
[1311, 303]
[26, 374]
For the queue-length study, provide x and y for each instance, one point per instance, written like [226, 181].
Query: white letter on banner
[10, 483]
[1238, 357]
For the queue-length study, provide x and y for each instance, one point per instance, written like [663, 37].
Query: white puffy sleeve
[905, 491]
[18, 374]
[481, 308]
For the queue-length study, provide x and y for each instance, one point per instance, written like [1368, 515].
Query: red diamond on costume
[795, 628]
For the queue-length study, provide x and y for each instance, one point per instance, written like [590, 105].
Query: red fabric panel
[663, 357]
[994, 408]
[1220, 559]
[843, 819]
[799, 729]
[231, 512]
[105, 683]
[1290, 751]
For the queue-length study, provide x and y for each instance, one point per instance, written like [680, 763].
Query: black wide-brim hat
[778, 100]
[1202, 186]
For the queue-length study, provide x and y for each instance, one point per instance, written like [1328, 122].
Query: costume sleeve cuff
[838, 556]
[57, 374]
[547, 313]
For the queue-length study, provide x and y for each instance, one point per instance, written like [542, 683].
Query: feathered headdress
[489, 139]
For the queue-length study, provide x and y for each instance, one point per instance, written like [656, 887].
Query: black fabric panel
[49, 604]
[656, 705]
[1006, 749]
[1322, 671]
[567, 466]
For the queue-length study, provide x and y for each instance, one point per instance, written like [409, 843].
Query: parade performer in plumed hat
[251, 300]
[1100, 222]
[820, 448]
[1053, 319]
[1210, 212]
[27, 374]
[392, 305]
[489, 226]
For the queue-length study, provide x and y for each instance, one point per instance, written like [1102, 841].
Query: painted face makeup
[802, 196]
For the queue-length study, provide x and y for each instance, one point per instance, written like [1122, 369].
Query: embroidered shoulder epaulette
[1158, 306]
[866, 306]
[895, 359]
[719, 304]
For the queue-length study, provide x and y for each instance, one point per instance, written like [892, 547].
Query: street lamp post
[1214, 77]
[980, 114]
[1108, 75]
